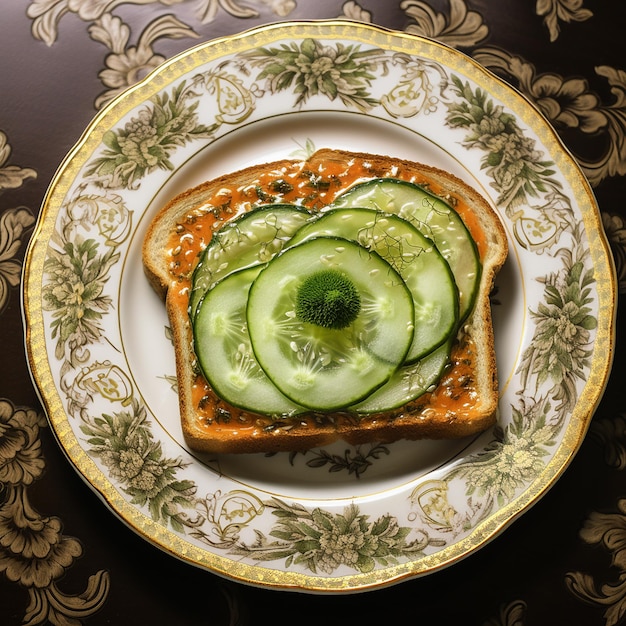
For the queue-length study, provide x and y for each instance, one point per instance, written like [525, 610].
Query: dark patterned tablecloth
[64, 557]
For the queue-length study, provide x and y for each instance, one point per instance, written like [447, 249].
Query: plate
[342, 518]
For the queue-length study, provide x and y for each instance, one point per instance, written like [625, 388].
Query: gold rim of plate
[165, 75]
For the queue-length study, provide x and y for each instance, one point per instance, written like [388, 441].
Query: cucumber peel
[225, 355]
[252, 239]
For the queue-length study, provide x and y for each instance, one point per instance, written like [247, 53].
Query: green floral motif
[355, 461]
[561, 348]
[149, 139]
[77, 273]
[125, 445]
[311, 68]
[322, 542]
[556, 358]
[515, 456]
[511, 159]
[77, 269]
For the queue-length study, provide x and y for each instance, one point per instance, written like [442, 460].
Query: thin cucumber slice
[253, 238]
[434, 218]
[325, 368]
[408, 383]
[225, 355]
[423, 269]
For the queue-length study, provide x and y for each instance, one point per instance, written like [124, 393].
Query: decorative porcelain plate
[341, 518]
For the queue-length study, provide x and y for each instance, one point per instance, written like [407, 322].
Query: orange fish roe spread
[313, 190]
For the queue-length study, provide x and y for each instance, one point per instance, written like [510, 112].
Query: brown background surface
[51, 86]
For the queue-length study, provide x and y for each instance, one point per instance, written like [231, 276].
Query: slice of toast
[465, 399]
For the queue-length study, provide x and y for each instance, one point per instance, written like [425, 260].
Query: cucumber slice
[407, 383]
[423, 269]
[253, 238]
[321, 367]
[434, 218]
[225, 355]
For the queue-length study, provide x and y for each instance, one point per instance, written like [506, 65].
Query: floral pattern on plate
[214, 518]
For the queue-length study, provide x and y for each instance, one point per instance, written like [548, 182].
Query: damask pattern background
[64, 558]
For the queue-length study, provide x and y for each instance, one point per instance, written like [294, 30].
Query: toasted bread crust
[221, 428]
[156, 260]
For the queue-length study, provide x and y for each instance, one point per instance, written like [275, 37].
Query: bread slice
[465, 400]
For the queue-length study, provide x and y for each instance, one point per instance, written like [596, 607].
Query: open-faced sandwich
[341, 297]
